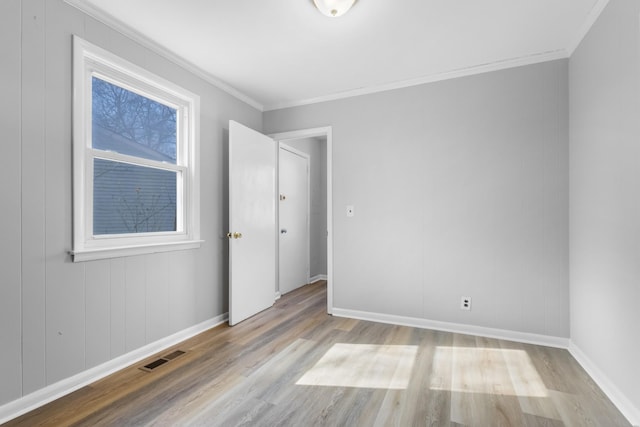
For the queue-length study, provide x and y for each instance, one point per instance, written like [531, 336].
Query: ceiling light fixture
[334, 8]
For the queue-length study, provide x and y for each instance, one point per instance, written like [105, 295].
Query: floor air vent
[174, 355]
[159, 362]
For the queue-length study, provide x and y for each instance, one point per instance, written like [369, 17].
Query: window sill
[124, 251]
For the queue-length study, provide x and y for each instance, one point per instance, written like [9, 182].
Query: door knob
[234, 235]
[283, 231]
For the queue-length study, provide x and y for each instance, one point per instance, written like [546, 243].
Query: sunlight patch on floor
[486, 370]
[363, 366]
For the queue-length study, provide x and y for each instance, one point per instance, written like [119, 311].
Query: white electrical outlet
[465, 303]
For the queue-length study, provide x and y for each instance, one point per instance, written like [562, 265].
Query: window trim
[89, 61]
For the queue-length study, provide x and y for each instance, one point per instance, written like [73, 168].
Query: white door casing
[252, 222]
[326, 132]
[294, 199]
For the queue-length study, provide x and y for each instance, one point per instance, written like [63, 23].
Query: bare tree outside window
[132, 198]
[135, 118]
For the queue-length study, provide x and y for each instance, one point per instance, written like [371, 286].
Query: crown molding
[136, 36]
[117, 25]
[592, 17]
[462, 72]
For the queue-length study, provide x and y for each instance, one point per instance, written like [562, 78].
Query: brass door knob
[234, 235]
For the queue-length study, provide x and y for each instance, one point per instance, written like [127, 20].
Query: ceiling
[279, 53]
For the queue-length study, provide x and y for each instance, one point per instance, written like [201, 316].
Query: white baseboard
[317, 277]
[459, 328]
[624, 405]
[608, 387]
[54, 391]
[278, 295]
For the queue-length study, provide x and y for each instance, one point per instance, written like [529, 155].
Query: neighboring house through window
[136, 181]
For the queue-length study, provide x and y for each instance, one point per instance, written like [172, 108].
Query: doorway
[317, 143]
[293, 218]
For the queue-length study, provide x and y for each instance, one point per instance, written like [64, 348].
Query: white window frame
[89, 61]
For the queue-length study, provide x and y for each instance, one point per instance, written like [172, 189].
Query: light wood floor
[293, 365]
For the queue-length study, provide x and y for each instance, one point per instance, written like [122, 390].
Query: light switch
[350, 211]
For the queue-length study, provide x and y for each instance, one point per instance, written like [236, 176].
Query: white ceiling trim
[162, 51]
[463, 72]
[586, 26]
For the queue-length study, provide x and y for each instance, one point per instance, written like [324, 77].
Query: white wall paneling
[117, 307]
[182, 291]
[59, 319]
[97, 293]
[10, 178]
[65, 299]
[33, 195]
[157, 296]
[135, 312]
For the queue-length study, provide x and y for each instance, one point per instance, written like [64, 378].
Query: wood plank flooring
[294, 365]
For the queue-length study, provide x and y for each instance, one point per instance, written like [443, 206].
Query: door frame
[307, 158]
[325, 131]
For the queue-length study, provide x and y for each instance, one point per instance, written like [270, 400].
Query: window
[136, 186]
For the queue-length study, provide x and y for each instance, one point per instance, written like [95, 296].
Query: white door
[252, 222]
[293, 219]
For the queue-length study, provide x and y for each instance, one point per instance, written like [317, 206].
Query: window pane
[128, 123]
[132, 199]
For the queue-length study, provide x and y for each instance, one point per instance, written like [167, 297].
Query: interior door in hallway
[293, 219]
[252, 222]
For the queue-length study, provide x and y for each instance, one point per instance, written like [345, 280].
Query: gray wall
[605, 200]
[10, 246]
[316, 148]
[58, 318]
[460, 188]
